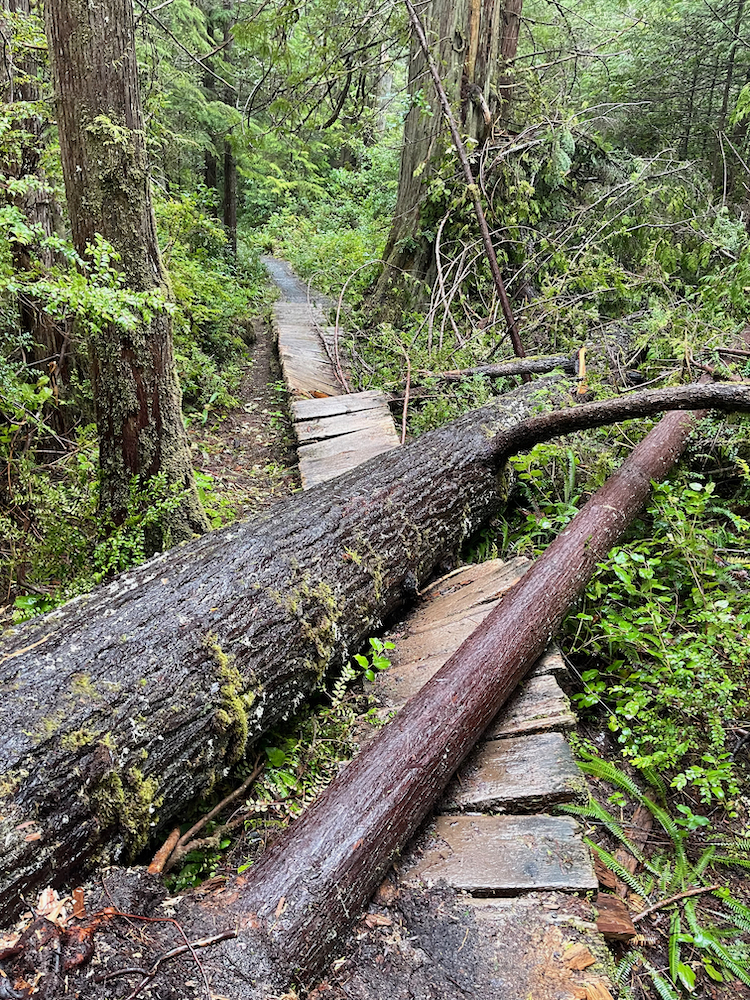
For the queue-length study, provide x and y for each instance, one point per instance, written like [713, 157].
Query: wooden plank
[321, 428]
[525, 773]
[381, 437]
[316, 469]
[502, 855]
[308, 409]
[538, 706]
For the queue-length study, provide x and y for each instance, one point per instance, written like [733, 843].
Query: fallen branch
[674, 899]
[506, 369]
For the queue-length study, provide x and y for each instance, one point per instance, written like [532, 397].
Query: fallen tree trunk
[506, 369]
[126, 704]
[306, 890]
[296, 904]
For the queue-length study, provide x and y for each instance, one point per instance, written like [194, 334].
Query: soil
[249, 451]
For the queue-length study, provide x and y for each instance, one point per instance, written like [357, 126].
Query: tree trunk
[466, 39]
[313, 882]
[230, 196]
[125, 705]
[136, 392]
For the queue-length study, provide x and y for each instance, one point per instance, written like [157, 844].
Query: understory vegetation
[616, 191]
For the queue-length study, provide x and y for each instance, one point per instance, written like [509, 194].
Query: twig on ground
[673, 899]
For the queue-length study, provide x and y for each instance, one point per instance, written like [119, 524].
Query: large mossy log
[126, 704]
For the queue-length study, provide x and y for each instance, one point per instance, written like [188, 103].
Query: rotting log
[128, 703]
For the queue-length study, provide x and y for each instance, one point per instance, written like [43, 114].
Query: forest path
[336, 429]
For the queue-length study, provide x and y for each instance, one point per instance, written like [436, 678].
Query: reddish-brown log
[314, 880]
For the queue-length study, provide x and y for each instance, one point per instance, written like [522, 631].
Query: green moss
[127, 801]
[316, 607]
[83, 687]
[11, 781]
[78, 739]
[48, 726]
[231, 715]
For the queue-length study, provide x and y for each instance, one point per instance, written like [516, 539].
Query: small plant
[673, 881]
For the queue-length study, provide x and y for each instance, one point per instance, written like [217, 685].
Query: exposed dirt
[249, 451]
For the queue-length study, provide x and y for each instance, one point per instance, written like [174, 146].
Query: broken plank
[374, 422]
[502, 855]
[538, 706]
[308, 409]
[523, 773]
[358, 442]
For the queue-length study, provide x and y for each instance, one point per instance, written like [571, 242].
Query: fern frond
[654, 779]
[602, 769]
[595, 811]
[739, 970]
[724, 859]
[625, 966]
[674, 944]
[587, 811]
[630, 880]
[663, 987]
[703, 861]
[741, 844]
[740, 912]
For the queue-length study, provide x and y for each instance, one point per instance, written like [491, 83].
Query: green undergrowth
[659, 639]
[54, 542]
[678, 882]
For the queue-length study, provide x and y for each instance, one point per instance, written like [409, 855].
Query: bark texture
[466, 40]
[137, 395]
[124, 705]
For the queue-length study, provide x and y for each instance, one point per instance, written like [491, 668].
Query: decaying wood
[127, 703]
[507, 369]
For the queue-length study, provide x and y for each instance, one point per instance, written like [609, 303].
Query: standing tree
[137, 394]
[472, 42]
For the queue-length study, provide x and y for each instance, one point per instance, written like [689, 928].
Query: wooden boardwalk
[493, 837]
[493, 840]
[336, 429]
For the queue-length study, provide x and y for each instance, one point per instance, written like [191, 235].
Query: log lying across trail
[128, 703]
[306, 890]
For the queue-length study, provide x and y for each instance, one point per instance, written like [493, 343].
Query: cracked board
[504, 855]
[340, 433]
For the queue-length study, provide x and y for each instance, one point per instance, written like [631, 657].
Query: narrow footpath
[495, 866]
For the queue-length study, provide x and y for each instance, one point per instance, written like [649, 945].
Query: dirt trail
[249, 451]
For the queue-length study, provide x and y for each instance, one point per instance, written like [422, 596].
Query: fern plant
[672, 881]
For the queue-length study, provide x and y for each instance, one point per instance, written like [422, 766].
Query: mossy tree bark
[123, 706]
[471, 41]
[137, 394]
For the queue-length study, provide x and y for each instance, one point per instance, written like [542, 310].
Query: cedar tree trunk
[136, 392]
[467, 40]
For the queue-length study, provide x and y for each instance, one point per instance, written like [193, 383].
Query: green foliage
[214, 297]
[334, 231]
[664, 628]
[696, 939]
